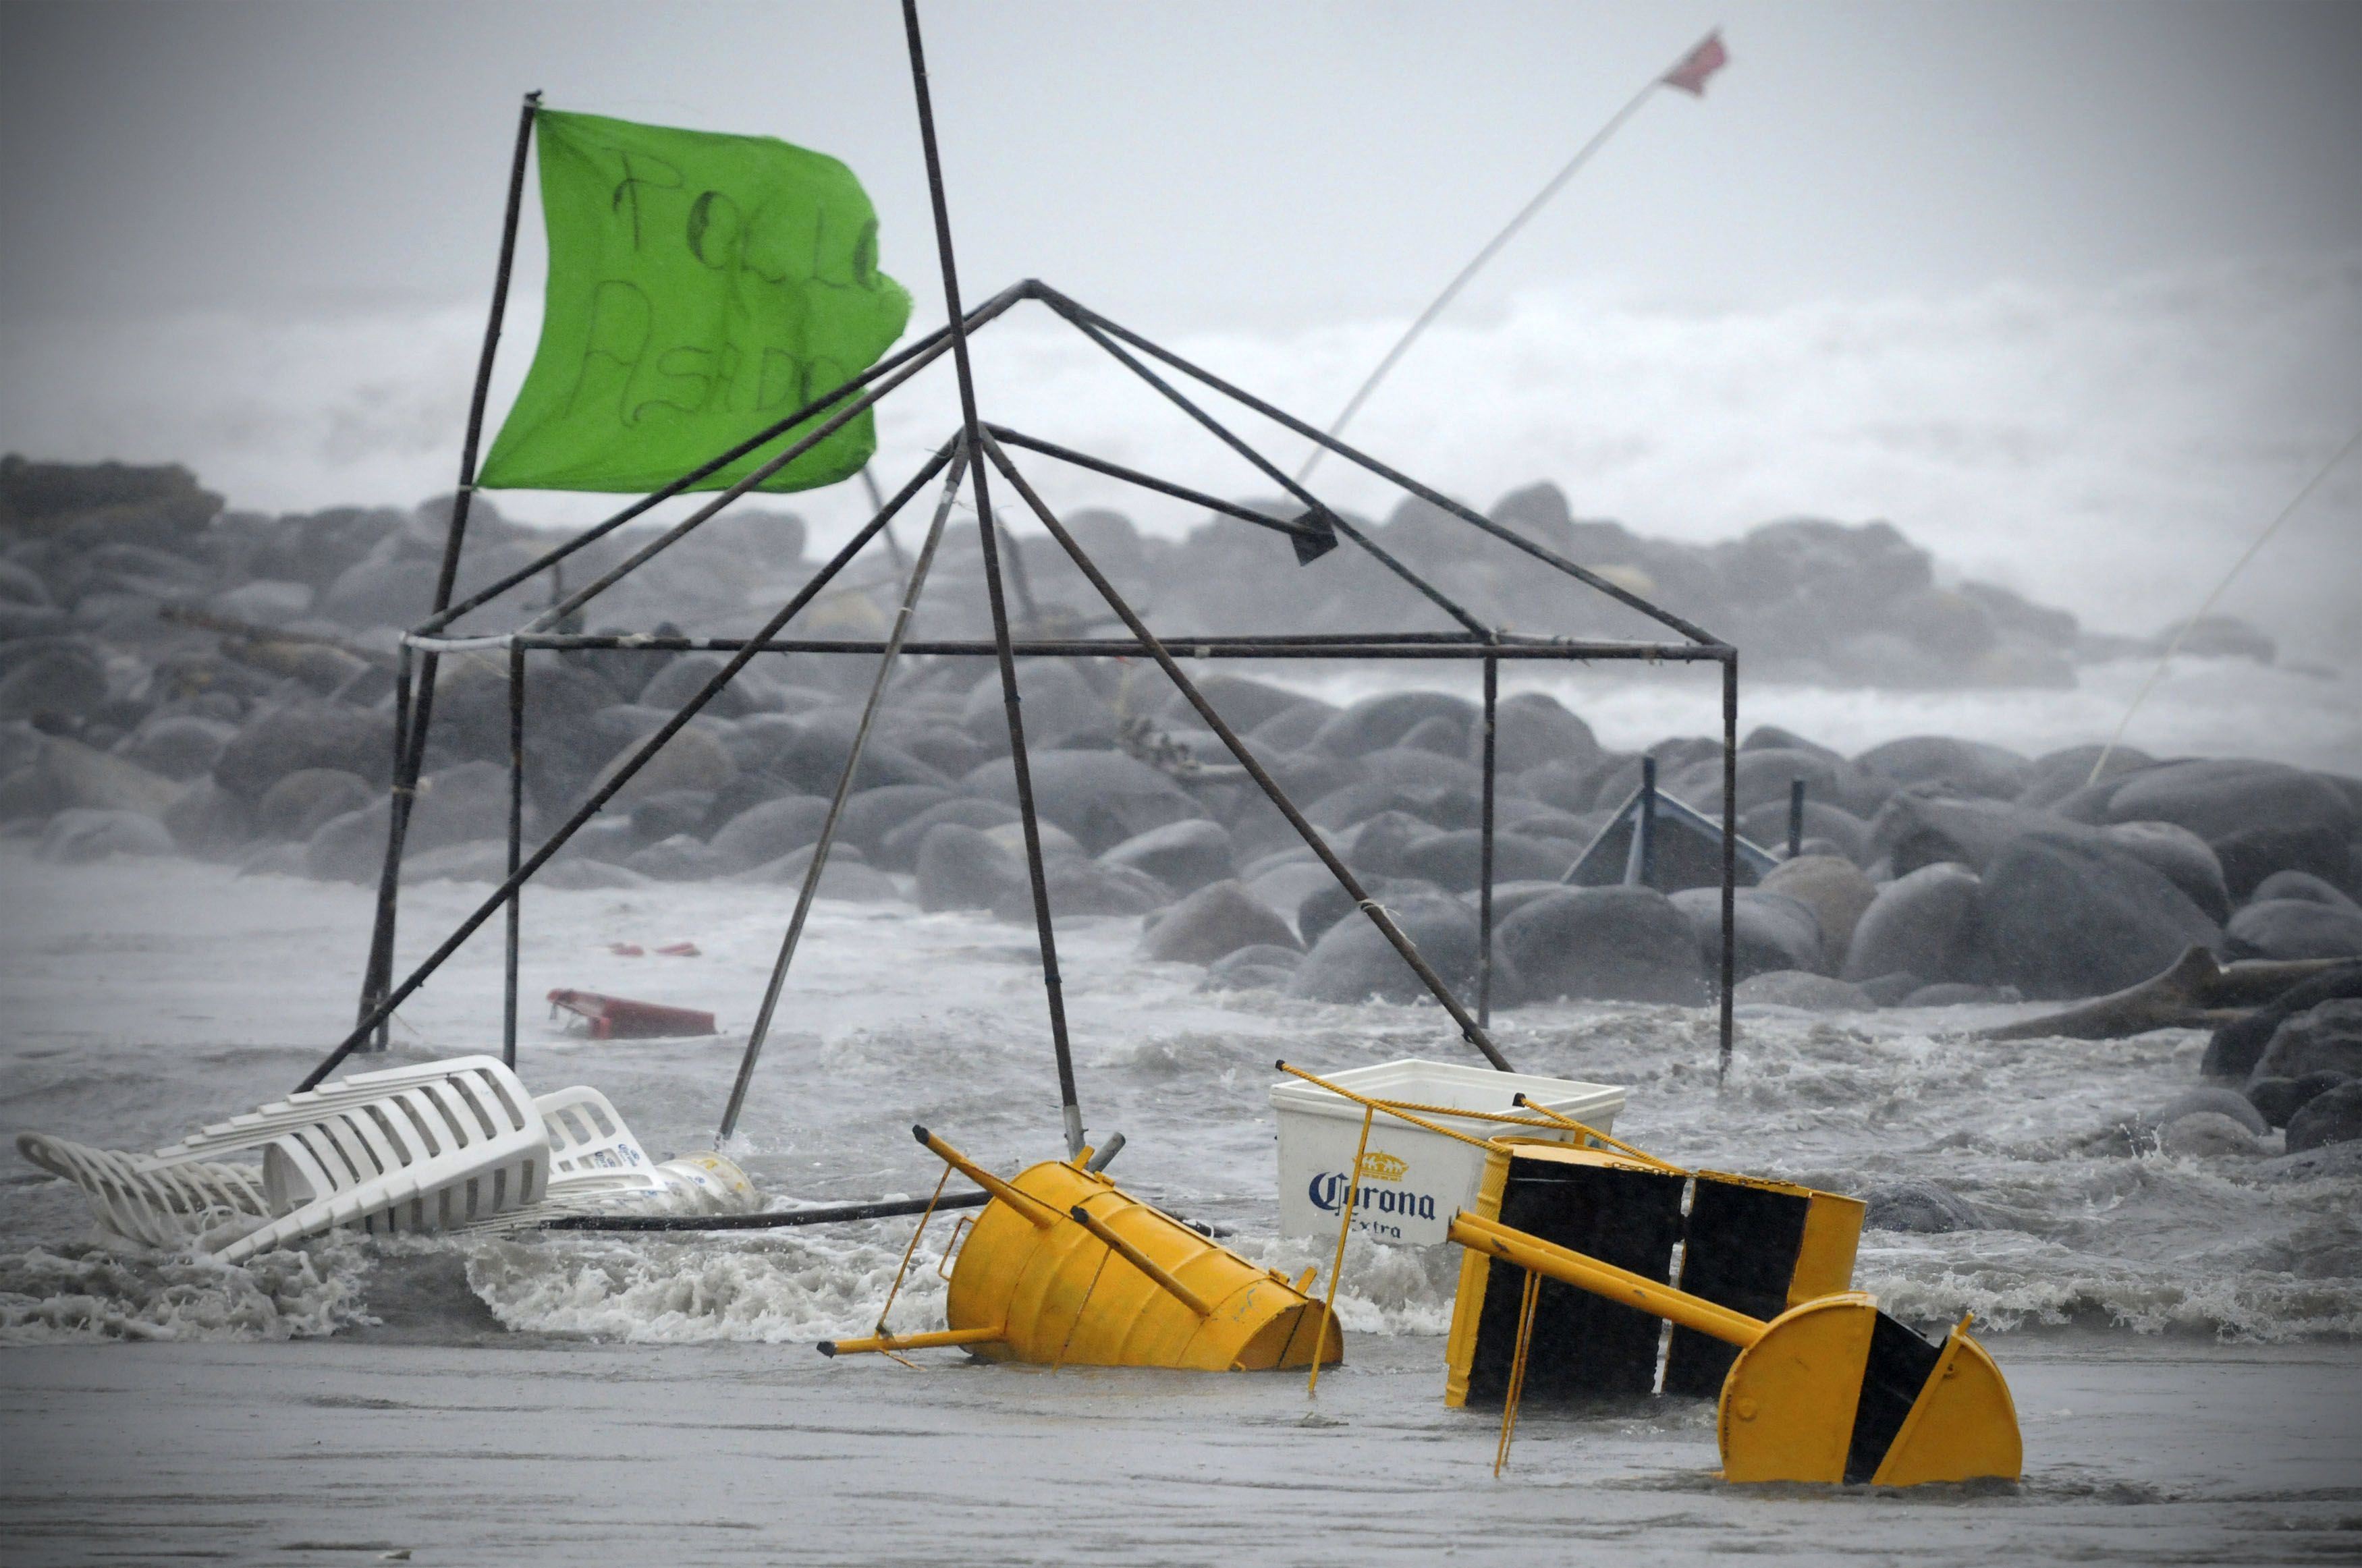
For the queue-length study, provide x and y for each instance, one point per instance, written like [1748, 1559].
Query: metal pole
[1795, 818]
[1492, 247]
[389, 879]
[410, 748]
[1295, 531]
[1729, 851]
[656, 742]
[1393, 476]
[972, 429]
[516, 855]
[1390, 644]
[810, 888]
[1648, 822]
[1639, 853]
[1474, 1031]
[1484, 866]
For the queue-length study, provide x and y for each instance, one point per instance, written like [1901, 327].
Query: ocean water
[2179, 1334]
[146, 998]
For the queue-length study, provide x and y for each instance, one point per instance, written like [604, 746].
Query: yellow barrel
[1076, 1272]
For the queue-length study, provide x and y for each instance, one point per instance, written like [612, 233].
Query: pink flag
[1703, 61]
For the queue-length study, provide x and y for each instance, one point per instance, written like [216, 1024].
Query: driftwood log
[2195, 992]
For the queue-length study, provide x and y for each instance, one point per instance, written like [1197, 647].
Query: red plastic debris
[619, 1018]
[627, 949]
[680, 950]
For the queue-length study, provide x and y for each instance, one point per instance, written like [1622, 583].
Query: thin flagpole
[1492, 247]
[410, 730]
[2237, 568]
[972, 437]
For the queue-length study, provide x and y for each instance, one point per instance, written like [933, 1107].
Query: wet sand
[336, 1451]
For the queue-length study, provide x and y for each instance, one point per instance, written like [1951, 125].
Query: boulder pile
[179, 678]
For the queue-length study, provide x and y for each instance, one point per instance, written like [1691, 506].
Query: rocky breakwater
[179, 678]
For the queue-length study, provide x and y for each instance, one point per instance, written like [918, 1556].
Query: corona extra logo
[1383, 1168]
[1328, 1192]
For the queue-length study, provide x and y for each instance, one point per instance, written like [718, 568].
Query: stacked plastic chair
[449, 1146]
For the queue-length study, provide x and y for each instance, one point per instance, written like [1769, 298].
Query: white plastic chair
[443, 1145]
[450, 1146]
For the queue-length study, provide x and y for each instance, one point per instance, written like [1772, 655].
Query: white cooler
[1413, 1181]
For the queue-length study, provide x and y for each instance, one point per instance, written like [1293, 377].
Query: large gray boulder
[286, 739]
[2070, 913]
[79, 837]
[2294, 928]
[1184, 856]
[1413, 768]
[2302, 885]
[1919, 1207]
[295, 808]
[1081, 887]
[1620, 943]
[811, 755]
[1955, 766]
[2239, 1046]
[1101, 797]
[692, 759]
[1354, 962]
[963, 869]
[1531, 729]
[1767, 825]
[66, 680]
[1375, 723]
[1924, 924]
[681, 859]
[2058, 776]
[1056, 698]
[2326, 1038]
[1243, 704]
[2335, 1117]
[2187, 860]
[1771, 932]
[761, 834]
[685, 675]
[1454, 860]
[2259, 817]
[1913, 829]
[2278, 1099]
[1213, 922]
[846, 876]
[178, 745]
[1837, 892]
[454, 805]
[899, 849]
[2215, 1099]
[870, 814]
[208, 822]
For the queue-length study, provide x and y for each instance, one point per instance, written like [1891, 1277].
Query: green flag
[702, 286]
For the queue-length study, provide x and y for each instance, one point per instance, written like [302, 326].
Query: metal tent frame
[978, 452]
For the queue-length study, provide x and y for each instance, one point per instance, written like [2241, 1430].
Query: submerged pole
[821, 846]
[971, 432]
[516, 858]
[1795, 818]
[410, 739]
[1729, 853]
[1484, 857]
[1476, 1033]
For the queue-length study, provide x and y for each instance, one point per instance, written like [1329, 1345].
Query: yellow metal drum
[1064, 1268]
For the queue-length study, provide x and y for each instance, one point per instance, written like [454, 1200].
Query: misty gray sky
[1200, 166]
